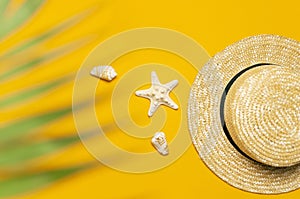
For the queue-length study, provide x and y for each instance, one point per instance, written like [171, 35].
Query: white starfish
[158, 94]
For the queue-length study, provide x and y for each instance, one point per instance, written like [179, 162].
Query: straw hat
[244, 114]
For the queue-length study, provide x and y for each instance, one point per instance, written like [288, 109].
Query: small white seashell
[107, 73]
[159, 142]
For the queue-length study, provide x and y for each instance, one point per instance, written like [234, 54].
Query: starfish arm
[172, 84]
[142, 93]
[170, 103]
[154, 78]
[153, 108]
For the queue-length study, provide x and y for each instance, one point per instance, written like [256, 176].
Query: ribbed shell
[104, 72]
[160, 143]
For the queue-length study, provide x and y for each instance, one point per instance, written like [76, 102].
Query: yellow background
[214, 24]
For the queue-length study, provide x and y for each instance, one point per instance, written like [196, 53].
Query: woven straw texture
[261, 113]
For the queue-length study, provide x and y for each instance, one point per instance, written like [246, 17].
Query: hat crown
[262, 114]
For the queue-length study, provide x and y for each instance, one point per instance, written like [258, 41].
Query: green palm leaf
[19, 17]
[3, 5]
[33, 181]
[44, 36]
[21, 153]
[30, 93]
[25, 126]
[16, 147]
[50, 56]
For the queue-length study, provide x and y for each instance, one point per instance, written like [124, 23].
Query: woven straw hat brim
[205, 123]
